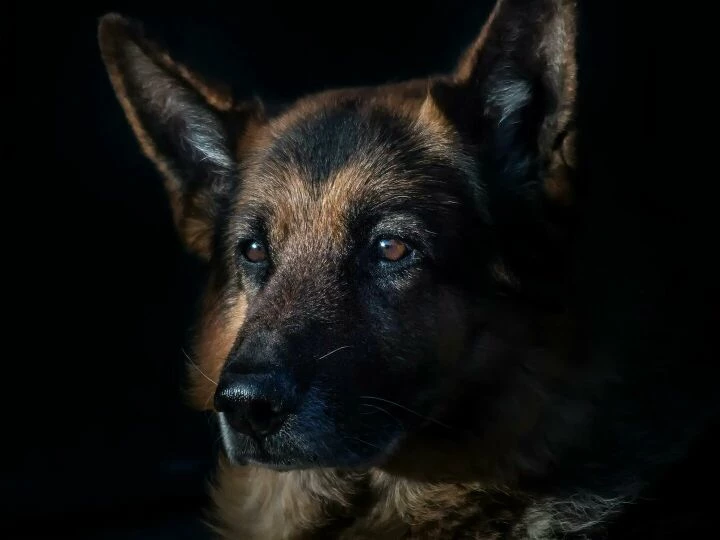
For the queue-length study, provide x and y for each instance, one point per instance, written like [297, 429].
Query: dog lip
[249, 452]
[272, 453]
[273, 465]
[258, 457]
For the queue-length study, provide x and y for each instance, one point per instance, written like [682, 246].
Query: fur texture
[489, 416]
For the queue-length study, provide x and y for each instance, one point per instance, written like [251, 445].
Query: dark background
[106, 446]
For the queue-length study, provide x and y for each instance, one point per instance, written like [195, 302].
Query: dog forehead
[331, 158]
[325, 140]
[326, 165]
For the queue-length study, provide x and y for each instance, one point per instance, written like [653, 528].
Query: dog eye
[392, 249]
[254, 251]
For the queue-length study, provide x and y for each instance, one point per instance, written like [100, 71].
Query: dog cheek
[214, 340]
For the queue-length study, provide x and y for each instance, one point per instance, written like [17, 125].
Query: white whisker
[198, 367]
[365, 442]
[429, 419]
[334, 351]
[402, 426]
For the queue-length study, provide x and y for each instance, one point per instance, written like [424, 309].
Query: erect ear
[513, 94]
[186, 127]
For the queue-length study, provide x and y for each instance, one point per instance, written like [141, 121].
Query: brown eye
[255, 252]
[392, 249]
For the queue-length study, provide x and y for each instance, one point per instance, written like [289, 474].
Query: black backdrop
[107, 448]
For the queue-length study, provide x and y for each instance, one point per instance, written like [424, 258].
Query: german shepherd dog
[387, 336]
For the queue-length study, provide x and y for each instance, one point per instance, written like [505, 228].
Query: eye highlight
[254, 251]
[392, 249]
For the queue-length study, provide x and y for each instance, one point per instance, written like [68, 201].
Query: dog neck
[253, 503]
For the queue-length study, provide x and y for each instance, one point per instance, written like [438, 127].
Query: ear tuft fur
[183, 123]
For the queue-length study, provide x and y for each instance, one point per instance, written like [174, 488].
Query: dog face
[372, 251]
[343, 233]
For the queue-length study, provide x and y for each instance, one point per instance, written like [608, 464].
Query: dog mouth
[268, 421]
[303, 444]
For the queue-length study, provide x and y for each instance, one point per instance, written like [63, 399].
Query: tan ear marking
[467, 62]
[431, 116]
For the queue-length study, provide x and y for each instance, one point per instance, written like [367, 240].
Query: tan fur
[214, 339]
[259, 503]
[363, 180]
[464, 68]
[560, 44]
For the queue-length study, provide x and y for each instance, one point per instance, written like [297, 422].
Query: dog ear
[513, 95]
[185, 126]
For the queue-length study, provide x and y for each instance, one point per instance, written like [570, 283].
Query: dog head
[376, 255]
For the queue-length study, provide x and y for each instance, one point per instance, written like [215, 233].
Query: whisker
[365, 442]
[386, 412]
[207, 401]
[334, 351]
[429, 419]
[198, 367]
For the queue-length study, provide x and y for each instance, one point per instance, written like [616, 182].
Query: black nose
[255, 404]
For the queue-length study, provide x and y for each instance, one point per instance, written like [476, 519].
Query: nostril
[264, 417]
[248, 411]
[260, 413]
[257, 404]
[239, 422]
[255, 417]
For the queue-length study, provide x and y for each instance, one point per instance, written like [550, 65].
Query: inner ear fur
[188, 127]
[513, 93]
